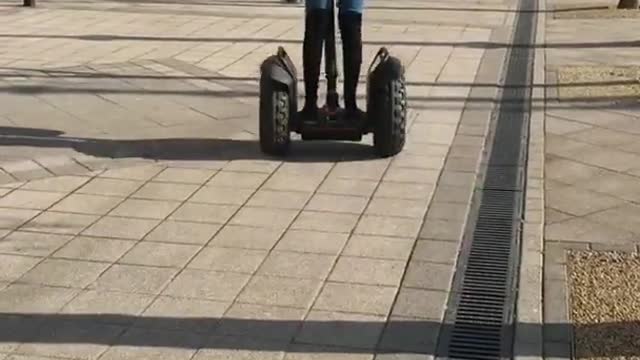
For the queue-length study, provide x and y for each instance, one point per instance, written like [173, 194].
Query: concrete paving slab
[190, 215]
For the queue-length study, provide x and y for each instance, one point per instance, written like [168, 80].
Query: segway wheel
[389, 104]
[275, 119]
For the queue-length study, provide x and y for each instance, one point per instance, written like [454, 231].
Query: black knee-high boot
[351, 32]
[316, 22]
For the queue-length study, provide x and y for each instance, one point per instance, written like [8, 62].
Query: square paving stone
[307, 241]
[12, 267]
[325, 221]
[207, 285]
[68, 273]
[379, 247]
[222, 195]
[452, 194]
[89, 340]
[264, 217]
[261, 166]
[579, 202]
[442, 229]
[419, 161]
[369, 170]
[95, 249]
[354, 187]
[430, 276]
[14, 218]
[246, 180]
[410, 335]
[367, 299]
[241, 348]
[110, 187]
[407, 191]
[159, 254]
[298, 265]
[28, 298]
[57, 184]
[445, 211]
[140, 172]
[293, 182]
[261, 321]
[197, 164]
[87, 204]
[60, 223]
[34, 244]
[337, 203]
[388, 226]
[246, 237]
[207, 213]
[182, 175]
[119, 227]
[341, 329]
[586, 231]
[553, 216]
[150, 209]
[279, 199]
[165, 191]
[183, 232]
[269, 290]
[420, 303]
[130, 278]
[436, 251]
[229, 259]
[368, 271]
[109, 307]
[324, 352]
[25, 199]
[165, 345]
[171, 313]
[409, 175]
[623, 217]
[397, 207]
[320, 168]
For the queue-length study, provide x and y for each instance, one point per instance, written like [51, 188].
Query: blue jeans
[344, 6]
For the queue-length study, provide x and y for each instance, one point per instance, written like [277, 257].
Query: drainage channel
[480, 319]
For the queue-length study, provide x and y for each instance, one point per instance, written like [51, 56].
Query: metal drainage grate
[480, 314]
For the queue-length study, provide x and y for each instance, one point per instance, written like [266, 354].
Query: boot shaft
[351, 32]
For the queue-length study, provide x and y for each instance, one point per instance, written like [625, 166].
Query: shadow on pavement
[467, 44]
[51, 73]
[282, 3]
[394, 336]
[183, 148]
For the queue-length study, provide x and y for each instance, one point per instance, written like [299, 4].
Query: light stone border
[529, 341]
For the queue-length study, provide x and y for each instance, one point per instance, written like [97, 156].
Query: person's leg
[350, 22]
[316, 21]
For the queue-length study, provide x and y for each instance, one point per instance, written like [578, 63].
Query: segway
[386, 103]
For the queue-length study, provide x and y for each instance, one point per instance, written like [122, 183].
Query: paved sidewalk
[592, 185]
[138, 219]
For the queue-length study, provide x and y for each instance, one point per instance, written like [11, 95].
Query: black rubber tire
[389, 128]
[275, 120]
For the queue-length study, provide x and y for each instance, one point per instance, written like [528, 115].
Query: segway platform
[386, 105]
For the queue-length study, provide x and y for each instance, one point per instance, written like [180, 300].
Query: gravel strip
[604, 290]
[613, 82]
[596, 13]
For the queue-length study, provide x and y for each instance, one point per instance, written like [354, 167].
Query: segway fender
[280, 69]
[279, 72]
[385, 68]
